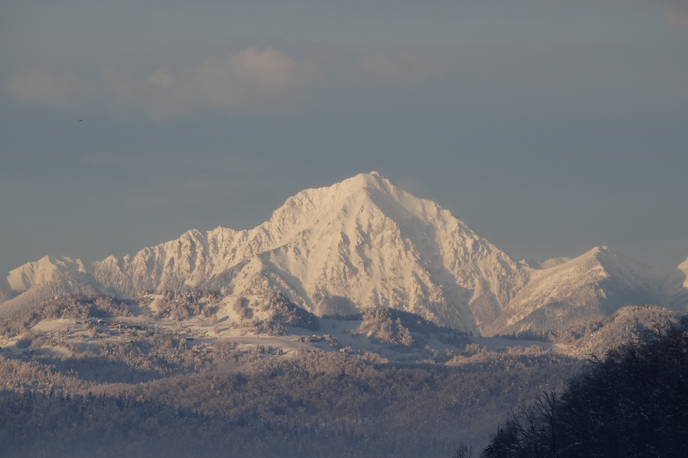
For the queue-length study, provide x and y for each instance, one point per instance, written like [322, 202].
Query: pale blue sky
[547, 126]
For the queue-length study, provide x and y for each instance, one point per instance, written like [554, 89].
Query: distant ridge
[44, 270]
[77, 283]
[365, 243]
[581, 290]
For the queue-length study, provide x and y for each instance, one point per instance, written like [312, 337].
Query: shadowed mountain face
[364, 243]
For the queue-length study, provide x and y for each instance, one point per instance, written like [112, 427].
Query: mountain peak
[364, 243]
[361, 242]
[605, 256]
[348, 197]
[362, 181]
[602, 250]
[44, 270]
[370, 180]
[683, 267]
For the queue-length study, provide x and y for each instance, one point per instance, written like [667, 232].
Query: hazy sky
[548, 126]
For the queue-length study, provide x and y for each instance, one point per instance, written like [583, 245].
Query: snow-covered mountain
[683, 267]
[678, 289]
[553, 262]
[624, 325]
[7, 295]
[365, 243]
[44, 270]
[360, 243]
[76, 283]
[581, 290]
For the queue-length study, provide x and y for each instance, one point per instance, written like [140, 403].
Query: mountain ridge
[45, 269]
[585, 288]
[365, 243]
[361, 241]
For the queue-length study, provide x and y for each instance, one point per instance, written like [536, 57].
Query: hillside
[232, 372]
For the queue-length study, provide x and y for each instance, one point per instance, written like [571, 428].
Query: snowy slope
[7, 295]
[357, 244]
[678, 289]
[625, 324]
[683, 267]
[44, 270]
[548, 264]
[74, 283]
[365, 243]
[581, 290]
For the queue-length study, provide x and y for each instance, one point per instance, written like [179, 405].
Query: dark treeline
[634, 403]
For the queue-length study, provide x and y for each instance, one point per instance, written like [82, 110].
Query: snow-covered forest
[196, 373]
[631, 403]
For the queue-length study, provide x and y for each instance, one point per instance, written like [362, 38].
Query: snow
[77, 283]
[598, 282]
[683, 267]
[365, 243]
[362, 241]
[548, 264]
[44, 270]
[204, 332]
[553, 262]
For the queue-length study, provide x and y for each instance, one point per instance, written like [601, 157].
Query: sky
[548, 126]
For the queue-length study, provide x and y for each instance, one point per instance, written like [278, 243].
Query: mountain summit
[365, 243]
[357, 244]
[589, 287]
[44, 270]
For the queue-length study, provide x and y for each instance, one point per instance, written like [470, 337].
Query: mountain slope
[7, 295]
[624, 325]
[364, 243]
[71, 283]
[45, 270]
[683, 267]
[678, 289]
[357, 244]
[579, 291]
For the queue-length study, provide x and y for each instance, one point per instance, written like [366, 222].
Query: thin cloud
[254, 80]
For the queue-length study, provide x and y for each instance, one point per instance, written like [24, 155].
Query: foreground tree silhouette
[633, 403]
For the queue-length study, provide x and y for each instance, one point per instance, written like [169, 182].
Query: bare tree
[463, 451]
